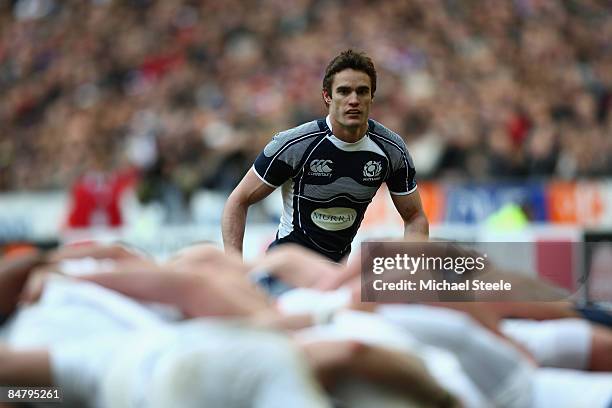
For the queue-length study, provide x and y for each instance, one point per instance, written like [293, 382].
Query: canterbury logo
[372, 169]
[321, 167]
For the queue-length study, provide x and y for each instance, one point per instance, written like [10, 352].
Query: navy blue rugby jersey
[327, 184]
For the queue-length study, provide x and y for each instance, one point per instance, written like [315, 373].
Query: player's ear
[326, 97]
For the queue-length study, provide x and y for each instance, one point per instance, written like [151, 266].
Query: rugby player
[330, 169]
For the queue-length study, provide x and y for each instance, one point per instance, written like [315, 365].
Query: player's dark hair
[358, 61]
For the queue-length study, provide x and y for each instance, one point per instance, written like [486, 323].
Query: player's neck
[349, 134]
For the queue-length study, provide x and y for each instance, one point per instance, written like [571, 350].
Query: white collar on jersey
[340, 142]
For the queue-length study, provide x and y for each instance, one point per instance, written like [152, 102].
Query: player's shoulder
[303, 133]
[311, 128]
[383, 133]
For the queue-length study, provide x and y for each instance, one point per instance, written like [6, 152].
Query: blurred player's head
[348, 88]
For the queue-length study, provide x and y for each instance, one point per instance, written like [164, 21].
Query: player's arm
[25, 367]
[534, 310]
[411, 210]
[250, 190]
[14, 273]
[403, 189]
[117, 252]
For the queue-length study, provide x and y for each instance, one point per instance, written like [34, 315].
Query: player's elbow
[421, 217]
[236, 202]
[416, 223]
[414, 215]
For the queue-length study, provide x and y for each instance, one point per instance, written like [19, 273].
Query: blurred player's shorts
[270, 284]
[596, 314]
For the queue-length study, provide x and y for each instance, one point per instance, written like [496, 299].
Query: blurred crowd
[188, 92]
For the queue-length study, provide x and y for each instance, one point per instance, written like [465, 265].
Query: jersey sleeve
[277, 162]
[402, 178]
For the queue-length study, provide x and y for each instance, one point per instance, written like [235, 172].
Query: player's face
[351, 98]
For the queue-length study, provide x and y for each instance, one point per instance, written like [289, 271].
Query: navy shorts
[596, 314]
[273, 286]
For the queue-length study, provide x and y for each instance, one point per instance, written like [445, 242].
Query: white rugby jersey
[327, 184]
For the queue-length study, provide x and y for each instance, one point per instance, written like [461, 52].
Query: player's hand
[35, 285]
